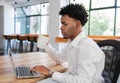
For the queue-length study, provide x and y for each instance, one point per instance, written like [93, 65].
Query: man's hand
[41, 69]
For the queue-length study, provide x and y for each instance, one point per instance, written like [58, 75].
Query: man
[85, 58]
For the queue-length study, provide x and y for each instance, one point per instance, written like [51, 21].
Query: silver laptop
[22, 71]
[48, 80]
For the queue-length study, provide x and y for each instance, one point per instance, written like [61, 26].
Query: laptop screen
[11, 58]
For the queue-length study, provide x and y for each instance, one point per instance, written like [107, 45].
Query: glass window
[35, 19]
[44, 8]
[44, 24]
[118, 22]
[86, 27]
[118, 2]
[20, 25]
[63, 3]
[102, 3]
[84, 2]
[34, 24]
[102, 17]
[27, 25]
[102, 22]
[32, 10]
[19, 12]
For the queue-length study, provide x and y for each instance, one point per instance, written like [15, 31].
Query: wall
[54, 21]
[7, 21]
[1, 26]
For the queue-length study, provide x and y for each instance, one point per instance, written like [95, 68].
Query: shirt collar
[78, 38]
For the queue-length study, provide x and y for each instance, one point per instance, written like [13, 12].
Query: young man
[85, 58]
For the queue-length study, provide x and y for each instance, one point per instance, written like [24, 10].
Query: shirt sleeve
[58, 57]
[85, 75]
[88, 68]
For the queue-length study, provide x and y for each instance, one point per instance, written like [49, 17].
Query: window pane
[85, 28]
[63, 3]
[32, 10]
[118, 22]
[102, 22]
[34, 24]
[20, 27]
[44, 8]
[27, 25]
[118, 2]
[102, 3]
[19, 12]
[44, 24]
[84, 2]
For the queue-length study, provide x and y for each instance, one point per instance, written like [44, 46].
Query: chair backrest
[111, 49]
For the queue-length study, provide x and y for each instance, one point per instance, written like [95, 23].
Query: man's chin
[65, 37]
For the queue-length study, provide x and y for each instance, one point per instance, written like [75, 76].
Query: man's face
[69, 27]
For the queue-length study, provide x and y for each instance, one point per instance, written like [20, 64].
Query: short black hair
[76, 11]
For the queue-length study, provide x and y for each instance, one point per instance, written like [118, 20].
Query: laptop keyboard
[24, 72]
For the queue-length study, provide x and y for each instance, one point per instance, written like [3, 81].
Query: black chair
[111, 49]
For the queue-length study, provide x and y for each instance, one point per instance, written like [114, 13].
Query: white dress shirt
[85, 61]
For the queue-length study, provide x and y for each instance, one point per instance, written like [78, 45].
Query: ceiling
[18, 3]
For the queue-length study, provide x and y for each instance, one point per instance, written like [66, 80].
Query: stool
[22, 38]
[33, 39]
[8, 38]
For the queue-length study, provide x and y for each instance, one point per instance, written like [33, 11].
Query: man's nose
[61, 28]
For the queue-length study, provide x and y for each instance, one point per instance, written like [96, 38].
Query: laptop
[22, 71]
[48, 80]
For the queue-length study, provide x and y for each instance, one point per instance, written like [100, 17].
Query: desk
[26, 59]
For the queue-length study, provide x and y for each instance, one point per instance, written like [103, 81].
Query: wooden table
[27, 59]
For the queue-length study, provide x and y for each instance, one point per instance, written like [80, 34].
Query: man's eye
[65, 24]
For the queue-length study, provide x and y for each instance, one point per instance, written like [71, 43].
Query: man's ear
[78, 23]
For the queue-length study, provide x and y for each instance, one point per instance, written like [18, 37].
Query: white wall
[1, 26]
[8, 20]
[54, 21]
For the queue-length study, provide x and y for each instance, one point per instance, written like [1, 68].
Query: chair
[111, 49]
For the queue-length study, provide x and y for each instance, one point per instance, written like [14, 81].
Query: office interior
[42, 17]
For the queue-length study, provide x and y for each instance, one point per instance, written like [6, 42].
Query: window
[44, 8]
[105, 20]
[118, 22]
[20, 22]
[32, 19]
[19, 12]
[103, 16]
[85, 2]
[34, 24]
[20, 26]
[44, 24]
[32, 10]
[118, 2]
[102, 3]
